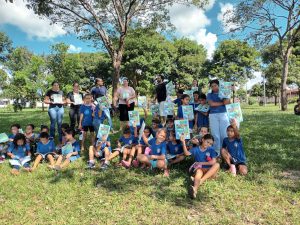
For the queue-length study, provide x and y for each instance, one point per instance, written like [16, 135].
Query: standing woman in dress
[73, 98]
[126, 95]
[218, 119]
[55, 98]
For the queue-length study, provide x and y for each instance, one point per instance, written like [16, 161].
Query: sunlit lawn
[270, 194]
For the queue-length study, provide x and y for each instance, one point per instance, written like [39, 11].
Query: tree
[188, 61]
[107, 22]
[5, 47]
[18, 59]
[266, 21]
[233, 60]
[256, 90]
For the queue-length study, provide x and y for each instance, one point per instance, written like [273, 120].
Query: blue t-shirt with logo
[157, 149]
[96, 116]
[45, 148]
[19, 151]
[177, 101]
[202, 155]
[174, 149]
[215, 109]
[235, 149]
[87, 111]
[127, 141]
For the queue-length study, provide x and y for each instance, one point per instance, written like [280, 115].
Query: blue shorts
[154, 163]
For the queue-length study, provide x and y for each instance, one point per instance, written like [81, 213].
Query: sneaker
[125, 164]
[1, 159]
[135, 163]
[166, 173]
[192, 192]
[104, 166]
[91, 165]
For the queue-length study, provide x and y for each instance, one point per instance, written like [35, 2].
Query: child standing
[205, 165]
[201, 118]
[233, 152]
[19, 152]
[185, 99]
[45, 150]
[86, 119]
[64, 160]
[158, 151]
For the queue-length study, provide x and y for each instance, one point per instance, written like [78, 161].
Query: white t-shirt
[125, 93]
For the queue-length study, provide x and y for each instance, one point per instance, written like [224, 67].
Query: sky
[206, 26]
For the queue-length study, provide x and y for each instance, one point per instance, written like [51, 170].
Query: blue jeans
[218, 123]
[56, 115]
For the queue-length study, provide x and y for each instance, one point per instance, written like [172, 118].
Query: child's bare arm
[161, 157]
[235, 128]
[210, 163]
[185, 151]
[80, 120]
[145, 139]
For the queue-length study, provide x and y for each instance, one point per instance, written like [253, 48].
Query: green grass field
[270, 194]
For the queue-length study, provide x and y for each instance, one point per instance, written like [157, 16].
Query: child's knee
[161, 164]
[243, 170]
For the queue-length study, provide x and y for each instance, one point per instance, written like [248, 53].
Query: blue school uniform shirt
[202, 120]
[103, 145]
[87, 112]
[11, 136]
[180, 116]
[19, 151]
[45, 148]
[96, 115]
[235, 149]
[127, 141]
[201, 156]
[177, 101]
[157, 149]
[76, 148]
[174, 149]
[215, 109]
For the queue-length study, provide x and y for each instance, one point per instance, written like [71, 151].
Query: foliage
[5, 47]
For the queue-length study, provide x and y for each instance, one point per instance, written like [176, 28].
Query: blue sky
[26, 29]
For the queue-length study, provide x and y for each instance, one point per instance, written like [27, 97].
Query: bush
[252, 100]
[293, 99]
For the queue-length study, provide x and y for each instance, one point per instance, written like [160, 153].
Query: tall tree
[18, 59]
[5, 47]
[107, 22]
[266, 21]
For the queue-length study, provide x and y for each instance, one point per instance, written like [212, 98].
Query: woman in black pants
[74, 98]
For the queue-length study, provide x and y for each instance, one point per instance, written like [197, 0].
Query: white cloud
[257, 79]
[225, 15]
[18, 15]
[209, 5]
[191, 22]
[74, 49]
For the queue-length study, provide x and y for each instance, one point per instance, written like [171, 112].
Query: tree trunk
[285, 71]
[117, 59]
[275, 99]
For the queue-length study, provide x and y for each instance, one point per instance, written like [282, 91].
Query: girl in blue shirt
[233, 152]
[101, 150]
[64, 160]
[19, 152]
[45, 150]
[157, 155]
[205, 165]
[174, 149]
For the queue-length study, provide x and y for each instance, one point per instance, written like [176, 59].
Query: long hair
[18, 137]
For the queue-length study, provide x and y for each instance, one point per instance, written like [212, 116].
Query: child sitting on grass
[19, 152]
[174, 149]
[15, 128]
[101, 149]
[45, 150]
[156, 156]
[233, 152]
[205, 165]
[29, 134]
[86, 119]
[68, 154]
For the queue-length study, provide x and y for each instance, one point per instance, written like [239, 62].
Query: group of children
[157, 147]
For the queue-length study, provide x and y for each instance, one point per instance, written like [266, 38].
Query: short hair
[75, 82]
[44, 135]
[155, 120]
[208, 136]
[70, 131]
[15, 125]
[202, 96]
[161, 76]
[229, 127]
[65, 126]
[30, 125]
[148, 128]
[180, 91]
[97, 79]
[127, 131]
[87, 94]
[170, 120]
[185, 96]
[44, 127]
[214, 81]
[196, 92]
[54, 82]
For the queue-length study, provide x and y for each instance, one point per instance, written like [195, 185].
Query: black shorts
[227, 167]
[123, 108]
[90, 128]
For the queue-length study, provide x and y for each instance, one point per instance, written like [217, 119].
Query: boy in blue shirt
[86, 119]
[205, 165]
[64, 160]
[233, 152]
[19, 152]
[179, 94]
[44, 150]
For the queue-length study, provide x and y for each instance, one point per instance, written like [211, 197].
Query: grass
[268, 195]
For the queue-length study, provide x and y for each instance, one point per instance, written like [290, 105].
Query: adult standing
[99, 90]
[55, 98]
[218, 119]
[74, 98]
[161, 96]
[126, 95]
